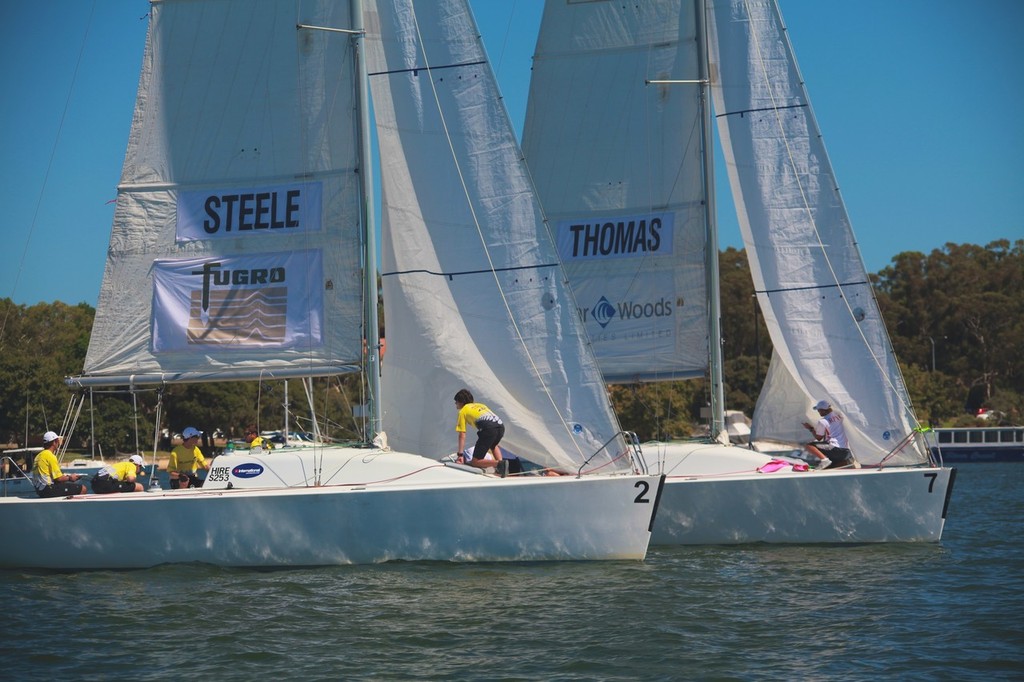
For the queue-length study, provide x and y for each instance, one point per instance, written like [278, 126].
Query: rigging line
[504, 41]
[807, 209]
[46, 175]
[476, 223]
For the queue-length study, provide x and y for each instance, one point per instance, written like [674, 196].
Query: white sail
[474, 294]
[618, 168]
[811, 284]
[235, 244]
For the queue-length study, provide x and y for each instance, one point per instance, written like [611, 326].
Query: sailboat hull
[714, 496]
[374, 507]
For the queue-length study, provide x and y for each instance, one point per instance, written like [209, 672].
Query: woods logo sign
[604, 311]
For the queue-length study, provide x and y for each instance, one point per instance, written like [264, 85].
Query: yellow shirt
[473, 413]
[121, 471]
[183, 461]
[258, 442]
[45, 469]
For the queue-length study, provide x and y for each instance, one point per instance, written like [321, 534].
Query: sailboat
[618, 139]
[243, 246]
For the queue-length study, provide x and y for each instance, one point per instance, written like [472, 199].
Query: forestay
[618, 167]
[235, 244]
[473, 291]
[829, 338]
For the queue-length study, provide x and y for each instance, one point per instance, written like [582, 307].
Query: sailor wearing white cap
[47, 477]
[186, 459]
[120, 477]
[830, 444]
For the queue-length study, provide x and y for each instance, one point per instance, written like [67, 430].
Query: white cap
[823, 405]
[191, 432]
[136, 459]
[49, 437]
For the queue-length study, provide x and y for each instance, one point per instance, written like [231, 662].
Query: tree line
[955, 316]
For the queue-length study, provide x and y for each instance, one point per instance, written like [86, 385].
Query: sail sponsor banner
[244, 212]
[254, 301]
[624, 317]
[644, 235]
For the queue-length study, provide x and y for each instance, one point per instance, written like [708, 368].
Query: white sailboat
[243, 246]
[618, 140]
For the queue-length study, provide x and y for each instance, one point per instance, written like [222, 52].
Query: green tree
[39, 346]
[968, 301]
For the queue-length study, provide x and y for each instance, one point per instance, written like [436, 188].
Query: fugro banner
[257, 301]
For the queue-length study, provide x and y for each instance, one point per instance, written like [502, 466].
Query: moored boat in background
[974, 444]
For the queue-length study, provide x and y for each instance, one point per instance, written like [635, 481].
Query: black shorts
[838, 456]
[189, 481]
[487, 438]
[102, 485]
[60, 489]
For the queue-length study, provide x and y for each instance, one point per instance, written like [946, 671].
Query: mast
[369, 225]
[286, 425]
[717, 425]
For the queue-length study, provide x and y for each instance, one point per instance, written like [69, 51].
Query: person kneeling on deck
[830, 443]
[119, 478]
[489, 432]
[47, 477]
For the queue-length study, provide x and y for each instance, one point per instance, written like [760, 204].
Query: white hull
[713, 495]
[372, 507]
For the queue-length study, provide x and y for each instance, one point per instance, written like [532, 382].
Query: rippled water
[953, 610]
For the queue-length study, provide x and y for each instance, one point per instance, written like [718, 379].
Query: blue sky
[919, 102]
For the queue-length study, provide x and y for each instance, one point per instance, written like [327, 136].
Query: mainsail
[235, 248]
[474, 294]
[618, 166]
[829, 337]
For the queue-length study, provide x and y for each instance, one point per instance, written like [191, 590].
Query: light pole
[933, 352]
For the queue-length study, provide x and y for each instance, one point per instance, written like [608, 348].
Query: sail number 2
[644, 487]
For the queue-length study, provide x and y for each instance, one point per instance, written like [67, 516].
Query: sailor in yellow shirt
[489, 432]
[257, 441]
[119, 478]
[47, 477]
[185, 460]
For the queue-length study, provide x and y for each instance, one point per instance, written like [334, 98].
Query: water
[950, 611]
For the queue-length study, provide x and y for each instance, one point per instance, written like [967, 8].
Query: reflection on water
[949, 611]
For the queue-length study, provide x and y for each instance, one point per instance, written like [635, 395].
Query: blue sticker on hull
[251, 470]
